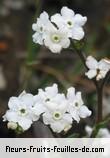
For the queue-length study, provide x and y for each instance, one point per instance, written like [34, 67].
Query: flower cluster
[56, 32]
[97, 69]
[20, 114]
[57, 110]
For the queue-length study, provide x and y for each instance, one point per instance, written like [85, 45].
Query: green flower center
[76, 104]
[56, 38]
[41, 28]
[70, 24]
[23, 111]
[57, 115]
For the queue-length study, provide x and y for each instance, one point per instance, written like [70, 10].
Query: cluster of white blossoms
[103, 132]
[97, 69]
[56, 32]
[57, 110]
[20, 112]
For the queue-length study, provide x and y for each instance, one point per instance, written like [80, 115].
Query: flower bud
[12, 125]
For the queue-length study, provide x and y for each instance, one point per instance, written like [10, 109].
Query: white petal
[37, 99]
[42, 94]
[67, 118]
[91, 63]
[63, 106]
[101, 75]
[65, 43]
[34, 27]
[84, 112]
[80, 20]
[71, 93]
[77, 33]
[38, 38]
[13, 103]
[47, 118]
[34, 117]
[103, 65]
[38, 109]
[57, 19]
[66, 12]
[59, 98]
[52, 106]
[52, 91]
[79, 98]
[44, 17]
[10, 116]
[27, 99]
[55, 48]
[25, 123]
[75, 115]
[57, 127]
[91, 74]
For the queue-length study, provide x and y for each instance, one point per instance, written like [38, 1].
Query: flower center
[41, 28]
[22, 112]
[47, 100]
[77, 105]
[70, 24]
[56, 38]
[57, 115]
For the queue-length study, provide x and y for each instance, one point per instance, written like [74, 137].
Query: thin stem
[82, 57]
[98, 88]
[100, 104]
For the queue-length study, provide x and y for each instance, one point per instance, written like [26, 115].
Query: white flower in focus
[97, 69]
[70, 21]
[53, 107]
[56, 39]
[76, 107]
[56, 114]
[20, 110]
[103, 132]
[40, 27]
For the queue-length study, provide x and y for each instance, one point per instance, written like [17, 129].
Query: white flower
[76, 107]
[70, 21]
[20, 110]
[56, 114]
[56, 39]
[97, 69]
[53, 107]
[40, 27]
[103, 132]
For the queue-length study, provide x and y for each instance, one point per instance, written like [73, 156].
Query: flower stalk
[99, 88]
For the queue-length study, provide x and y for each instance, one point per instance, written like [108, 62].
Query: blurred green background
[25, 65]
